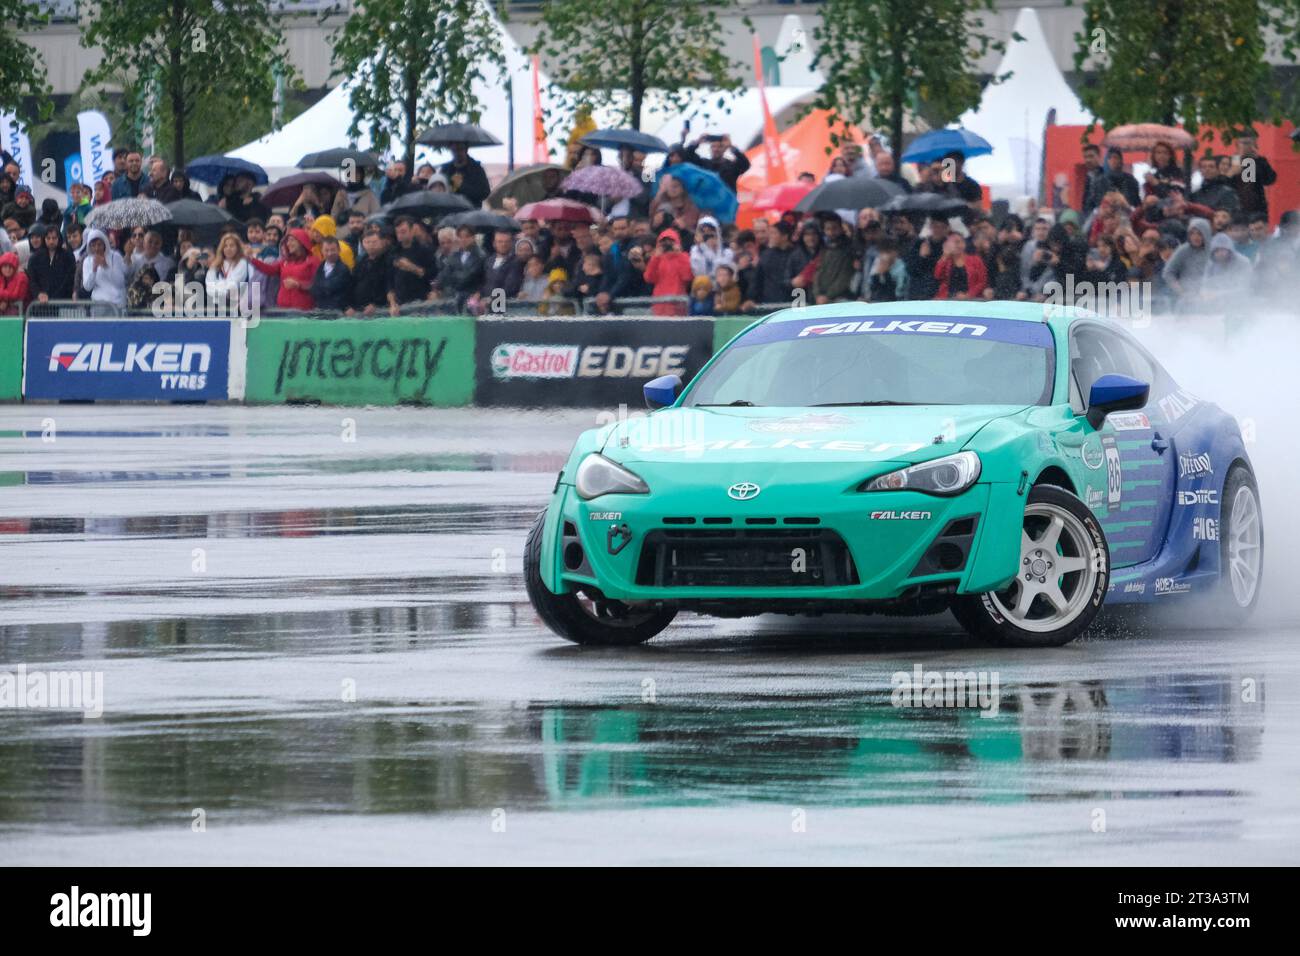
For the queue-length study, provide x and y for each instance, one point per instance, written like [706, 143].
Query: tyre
[1241, 547]
[588, 617]
[1060, 584]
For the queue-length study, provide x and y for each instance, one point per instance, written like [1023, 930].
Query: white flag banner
[16, 144]
[96, 148]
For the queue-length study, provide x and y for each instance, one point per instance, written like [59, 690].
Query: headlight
[597, 476]
[943, 476]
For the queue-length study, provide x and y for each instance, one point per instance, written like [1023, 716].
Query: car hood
[773, 435]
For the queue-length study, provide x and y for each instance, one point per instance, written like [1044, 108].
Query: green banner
[379, 361]
[11, 359]
[725, 327]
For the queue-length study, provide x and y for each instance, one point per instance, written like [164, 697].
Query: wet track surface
[323, 645]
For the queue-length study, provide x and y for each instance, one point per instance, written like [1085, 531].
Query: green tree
[412, 63]
[1202, 64]
[197, 51]
[605, 53]
[22, 72]
[883, 57]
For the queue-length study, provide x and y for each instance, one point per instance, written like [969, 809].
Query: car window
[1096, 352]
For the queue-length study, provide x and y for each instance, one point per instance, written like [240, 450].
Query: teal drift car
[1018, 465]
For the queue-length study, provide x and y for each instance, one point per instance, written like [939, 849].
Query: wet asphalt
[315, 648]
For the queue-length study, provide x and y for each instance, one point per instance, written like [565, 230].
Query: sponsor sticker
[1195, 465]
[1129, 421]
[1171, 586]
[900, 516]
[1199, 496]
[1092, 453]
[513, 360]
[795, 424]
[1205, 529]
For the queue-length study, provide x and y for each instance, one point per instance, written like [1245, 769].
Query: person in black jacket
[413, 264]
[462, 273]
[771, 280]
[372, 287]
[503, 269]
[1251, 176]
[1115, 178]
[724, 159]
[331, 286]
[51, 268]
[466, 176]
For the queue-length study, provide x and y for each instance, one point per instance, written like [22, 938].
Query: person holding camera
[669, 273]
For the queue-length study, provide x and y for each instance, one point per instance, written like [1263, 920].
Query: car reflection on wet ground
[321, 649]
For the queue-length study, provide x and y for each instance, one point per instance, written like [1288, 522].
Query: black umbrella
[855, 192]
[444, 134]
[285, 191]
[631, 138]
[482, 219]
[928, 204]
[424, 203]
[191, 214]
[336, 158]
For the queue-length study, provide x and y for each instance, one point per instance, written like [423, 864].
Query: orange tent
[805, 147]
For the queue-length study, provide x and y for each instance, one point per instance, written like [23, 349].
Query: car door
[1140, 466]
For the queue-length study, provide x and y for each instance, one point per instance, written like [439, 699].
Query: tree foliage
[22, 72]
[197, 51]
[604, 53]
[1202, 64]
[412, 63]
[881, 58]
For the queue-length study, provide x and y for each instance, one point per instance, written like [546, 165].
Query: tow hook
[617, 538]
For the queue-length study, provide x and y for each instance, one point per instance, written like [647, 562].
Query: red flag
[775, 162]
[541, 153]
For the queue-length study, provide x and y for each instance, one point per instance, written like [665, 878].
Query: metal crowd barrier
[73, 309]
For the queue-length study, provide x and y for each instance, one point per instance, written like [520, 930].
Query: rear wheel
[1241, 546]
[588, 617]
[1060, 582]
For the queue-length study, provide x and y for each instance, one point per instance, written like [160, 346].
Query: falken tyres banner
[150, 360]
[583, 362]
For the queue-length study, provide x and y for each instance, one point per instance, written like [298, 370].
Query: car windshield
[903, 360]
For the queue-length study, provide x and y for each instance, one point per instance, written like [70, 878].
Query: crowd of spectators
[1197, 242]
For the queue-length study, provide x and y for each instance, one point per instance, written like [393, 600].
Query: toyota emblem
[743, 490]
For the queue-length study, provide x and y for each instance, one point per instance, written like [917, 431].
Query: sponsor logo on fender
[517, 360]
[1194, 466]
[605, 516]
[1205, 529]
[801, 423]
[1135, 587]
[1177, 404]
[1128, 421]
[911, 325]
[900, 516]
[1199, 496]
[1171, 586]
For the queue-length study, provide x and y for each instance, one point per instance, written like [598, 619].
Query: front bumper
[845, 546]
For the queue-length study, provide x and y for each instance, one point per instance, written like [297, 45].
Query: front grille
[745, 557]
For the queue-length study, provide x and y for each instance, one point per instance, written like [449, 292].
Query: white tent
[794, 44]
[325, 125]
[1012, 115]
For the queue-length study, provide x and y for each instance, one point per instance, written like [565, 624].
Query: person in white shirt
[152, 255]
[229, 276]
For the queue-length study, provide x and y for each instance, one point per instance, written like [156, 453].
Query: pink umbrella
[606, 181]
[557, 210]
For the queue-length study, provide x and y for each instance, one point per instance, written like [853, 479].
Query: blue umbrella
[631, 138]
[705, 187]
[941, 142]
[213, 169]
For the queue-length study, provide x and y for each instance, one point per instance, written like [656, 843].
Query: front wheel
[588, 617]
[1060, 583]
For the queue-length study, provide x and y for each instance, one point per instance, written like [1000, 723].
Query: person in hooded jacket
[709, 251]
[1186, 267]
[669, 273]
[1226, 282]
[15, 290]
[295, 268]
[103, 270]
[181, 187]
[52, 268]
[323, 227]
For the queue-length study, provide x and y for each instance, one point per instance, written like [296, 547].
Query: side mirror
[1115, 393]
[662, 391]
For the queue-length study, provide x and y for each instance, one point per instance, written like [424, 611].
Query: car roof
[1055, 315]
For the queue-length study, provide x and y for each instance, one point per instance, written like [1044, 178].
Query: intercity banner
[13, 137]
[150, 360]
[397, 360]
[96, 147]
[533, 363]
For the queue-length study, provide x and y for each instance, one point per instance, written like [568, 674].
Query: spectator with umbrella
[465, 175]
[673, 205]
[396, 183]
[103, 271]
[888, 171]
[242, 203]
